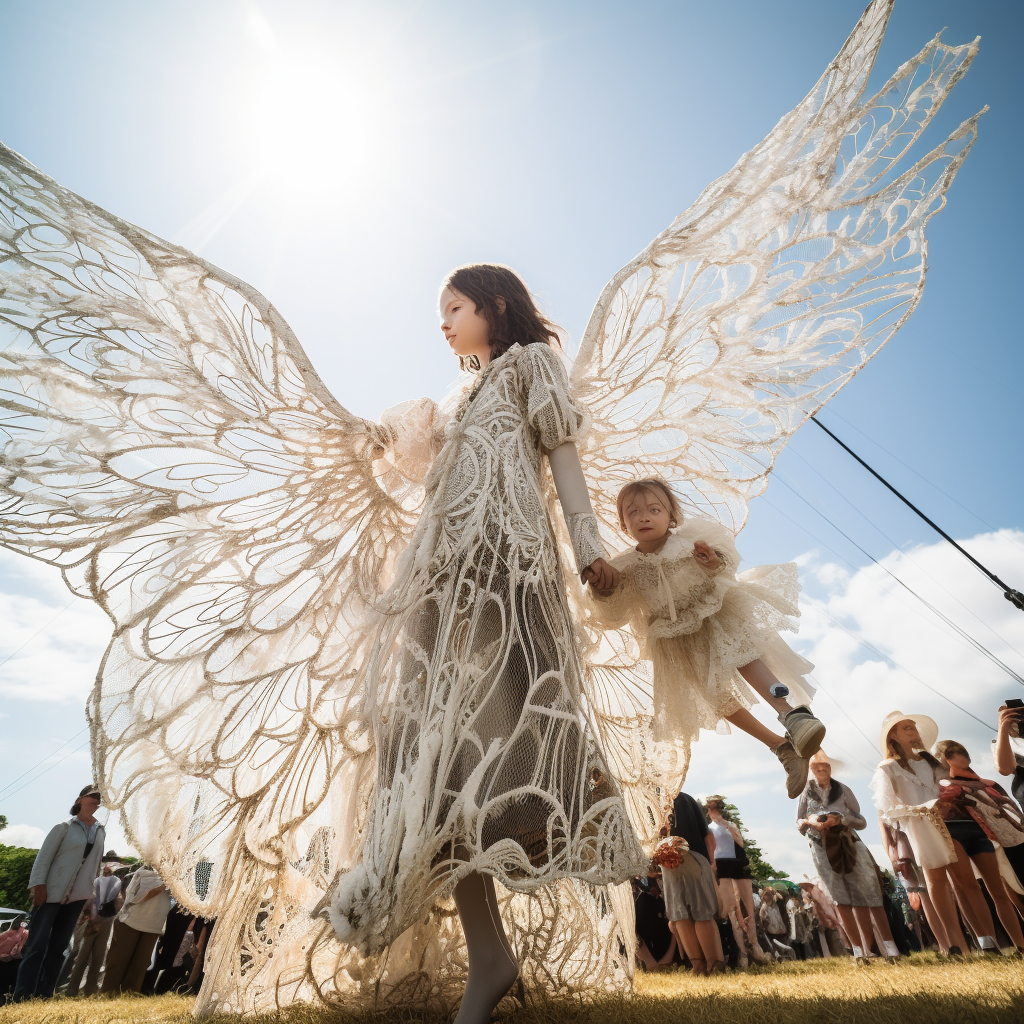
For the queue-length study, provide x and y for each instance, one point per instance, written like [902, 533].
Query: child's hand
[706, 556]
[603, 577]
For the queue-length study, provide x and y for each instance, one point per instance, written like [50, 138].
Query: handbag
[840, 849]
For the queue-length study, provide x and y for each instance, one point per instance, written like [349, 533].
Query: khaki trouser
[92, 944]
[128, 958]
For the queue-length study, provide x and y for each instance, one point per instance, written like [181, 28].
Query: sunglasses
[95, 796]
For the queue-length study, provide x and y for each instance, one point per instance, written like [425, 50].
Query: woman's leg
[858, 930]
[492, 967]
[686, 936]
[745, 904]
[988, 866]
[710, 939]
[761, 679]
[931, 915]
[961, 877]
[646, 956]
[886, 943]
[940, 889]
[670, 954]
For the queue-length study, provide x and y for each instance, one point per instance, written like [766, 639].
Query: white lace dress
[699, 627]
[485, 757]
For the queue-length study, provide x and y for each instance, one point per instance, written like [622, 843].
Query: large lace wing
[167, 444]
[706, 352]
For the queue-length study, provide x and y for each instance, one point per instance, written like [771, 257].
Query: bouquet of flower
[670, 851]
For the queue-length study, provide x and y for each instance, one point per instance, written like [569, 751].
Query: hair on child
[649, 484]
[519, 322]
[944, 748]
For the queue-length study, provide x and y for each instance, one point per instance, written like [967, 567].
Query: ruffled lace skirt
[696, 678]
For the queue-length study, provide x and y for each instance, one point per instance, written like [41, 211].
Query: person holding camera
[829, 816]
[61, 881]
[1008, 746]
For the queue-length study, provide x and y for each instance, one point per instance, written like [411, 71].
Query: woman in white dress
[485, 765]
[908, 796]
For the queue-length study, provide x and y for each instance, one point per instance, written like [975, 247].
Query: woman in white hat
[910, 800]
[828, 814]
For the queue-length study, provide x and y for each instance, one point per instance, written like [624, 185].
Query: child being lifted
[713, 636]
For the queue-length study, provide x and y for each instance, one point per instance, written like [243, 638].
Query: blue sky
[342, 157]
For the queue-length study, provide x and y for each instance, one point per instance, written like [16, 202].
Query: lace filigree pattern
[167, 445]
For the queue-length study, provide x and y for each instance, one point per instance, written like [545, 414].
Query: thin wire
[896, 664]
[828, 693]
[1015, 597]
[896, 547]
[45, 770]
[976, 644]
[37, 632]
[920, 476]
[44, 760]
[859, 640]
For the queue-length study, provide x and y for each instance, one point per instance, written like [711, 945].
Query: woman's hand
[706, 556]
[38, 895]
[1006, 763]
[603, 577]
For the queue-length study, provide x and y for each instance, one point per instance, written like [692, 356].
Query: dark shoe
[803, 730]
[796, 768]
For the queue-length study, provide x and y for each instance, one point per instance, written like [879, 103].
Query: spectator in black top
[691, 901]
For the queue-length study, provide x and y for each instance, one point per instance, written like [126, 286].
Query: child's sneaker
[796, 768]
[803, 730]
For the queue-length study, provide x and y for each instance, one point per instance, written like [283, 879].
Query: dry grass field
[921, 991]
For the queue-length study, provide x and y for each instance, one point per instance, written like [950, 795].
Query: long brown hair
[520, 322]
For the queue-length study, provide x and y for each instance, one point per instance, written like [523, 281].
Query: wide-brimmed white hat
[925, 726]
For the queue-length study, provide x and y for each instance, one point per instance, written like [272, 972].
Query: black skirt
[732, 867]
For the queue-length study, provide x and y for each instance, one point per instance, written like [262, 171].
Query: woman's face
[957, 757]
[715, 809]
[467, 331]
[906, 735]
[90, 804]
[822, 772]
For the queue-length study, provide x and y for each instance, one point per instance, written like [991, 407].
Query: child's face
[646, 516]
[467, 331]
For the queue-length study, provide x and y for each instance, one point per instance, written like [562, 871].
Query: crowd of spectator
[99, 923]
[954, 838]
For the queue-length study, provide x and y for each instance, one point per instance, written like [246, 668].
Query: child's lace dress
[700, 626]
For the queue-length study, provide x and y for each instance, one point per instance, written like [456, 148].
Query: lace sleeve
[723, 542]
[408, 435]
[549, 408]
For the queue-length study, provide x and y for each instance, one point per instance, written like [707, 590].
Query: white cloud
[53, 640]
[27, 836]
[859, 686]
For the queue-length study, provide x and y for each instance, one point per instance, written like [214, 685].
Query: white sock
[857, 951]
[890, 948]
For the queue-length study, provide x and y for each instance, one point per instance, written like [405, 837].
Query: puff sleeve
[550, 410]
[409, 436]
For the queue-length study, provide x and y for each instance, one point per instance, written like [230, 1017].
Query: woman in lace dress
[486, 766]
